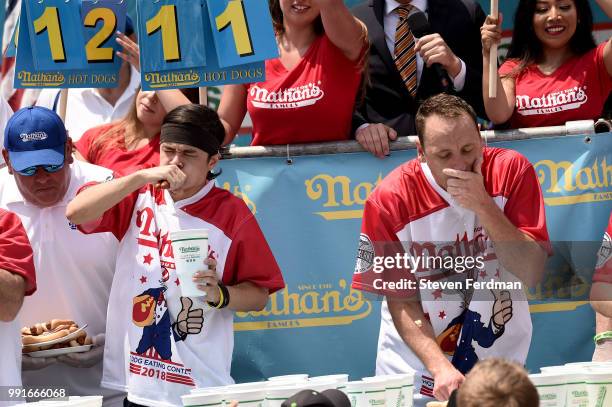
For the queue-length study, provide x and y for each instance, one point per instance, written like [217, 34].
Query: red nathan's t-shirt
[15, 251]
[603, 268]
[119, 158]
[577, 90]
[312, 102]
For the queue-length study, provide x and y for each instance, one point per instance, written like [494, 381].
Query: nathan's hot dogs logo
[567, 183]
[242, 194]
[164, 80]
[41, 79]
[341, 197]
[190, 249]
[306, 306]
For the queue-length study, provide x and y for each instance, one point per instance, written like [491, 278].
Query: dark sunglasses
[30, 171]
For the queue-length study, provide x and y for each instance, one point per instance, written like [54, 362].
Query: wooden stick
[204, 96]
[63, 104]
[493, 56]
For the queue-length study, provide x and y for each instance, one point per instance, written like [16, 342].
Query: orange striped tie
[405, 56]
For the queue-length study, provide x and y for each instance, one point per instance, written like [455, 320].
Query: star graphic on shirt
[483, 274]
[143, 279]
[177, 281]
[147, 259]
[442, 314]
[437, 294]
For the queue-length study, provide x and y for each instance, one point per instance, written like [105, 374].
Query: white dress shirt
[390, 25]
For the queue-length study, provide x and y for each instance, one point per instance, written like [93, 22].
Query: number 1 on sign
[165, 20]
[235, 16]
[49, 21]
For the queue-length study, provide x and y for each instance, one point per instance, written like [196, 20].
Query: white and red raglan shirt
[147, 353]
[603, 267]
[410, 213]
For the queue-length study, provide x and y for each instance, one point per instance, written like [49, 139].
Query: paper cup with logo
[599, 388]
[398, 388]
[246, 398]
[190, 249]
[366, 394]
[203, 399]
[551, 388]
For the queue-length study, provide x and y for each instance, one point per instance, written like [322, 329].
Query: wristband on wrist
[602, 337]
[224, 297]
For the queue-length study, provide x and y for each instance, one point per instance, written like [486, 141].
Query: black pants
[127, 403]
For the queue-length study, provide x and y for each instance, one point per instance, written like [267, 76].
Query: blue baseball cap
[35, 136]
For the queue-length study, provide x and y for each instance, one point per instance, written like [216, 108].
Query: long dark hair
[527, 48]
[277, 19]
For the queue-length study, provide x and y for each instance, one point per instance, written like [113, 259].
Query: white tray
[60, 351]
[63, 339]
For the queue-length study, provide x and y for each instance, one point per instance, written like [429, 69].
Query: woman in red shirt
[134, 140]
[554, 72]
[310, 90]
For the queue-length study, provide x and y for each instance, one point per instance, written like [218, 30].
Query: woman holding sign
[134, 140]
[310, 90]
[554, 71]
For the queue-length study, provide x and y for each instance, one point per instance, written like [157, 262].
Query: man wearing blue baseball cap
[75, 270]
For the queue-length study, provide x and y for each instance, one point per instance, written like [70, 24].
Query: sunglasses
[30, 171]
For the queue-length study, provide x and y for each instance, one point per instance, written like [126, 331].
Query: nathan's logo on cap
[36, 136]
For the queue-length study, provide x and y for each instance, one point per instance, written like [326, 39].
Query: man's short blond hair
[497, 383]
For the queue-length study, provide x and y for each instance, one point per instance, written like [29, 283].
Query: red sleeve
[83, 145]
[508, 66]
[250, 259]
[603, 268]
[605, 78]
[525, 207]
[15, 251]
[378, 241]
[115, 220]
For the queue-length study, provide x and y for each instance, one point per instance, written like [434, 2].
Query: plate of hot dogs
[57, 335]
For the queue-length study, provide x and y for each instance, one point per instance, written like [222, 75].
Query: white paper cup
[190, 248]
[599, 388]
[398, 388]
[275, 395]
[340, 379]
[289, 377]
[245, 386]
[354, 391]
[551, 388]
[366, 394]
[321, 385]
[219, 389]
[246, 398]
[203, 399]
[577, 393]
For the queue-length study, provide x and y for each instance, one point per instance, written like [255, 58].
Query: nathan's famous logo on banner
[341, 197]
[307, 306]
[242, 194]
[164, 80]
[41, 79]
[567, 183]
